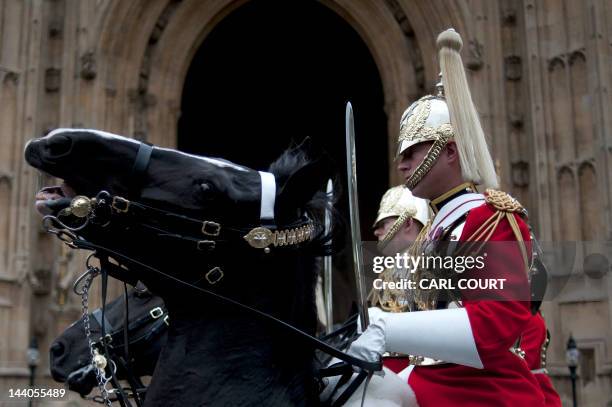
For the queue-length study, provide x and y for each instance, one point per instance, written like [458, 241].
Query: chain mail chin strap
[425, 166]
[393, 230]
[98, 361]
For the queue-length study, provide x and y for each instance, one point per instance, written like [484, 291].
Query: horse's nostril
[59, 145]
[57, 349]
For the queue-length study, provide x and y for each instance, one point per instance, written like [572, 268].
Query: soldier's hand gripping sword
[351, 172]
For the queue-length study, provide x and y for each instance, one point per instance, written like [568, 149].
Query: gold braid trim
[482, 234]
[468, 186]
[519, 237]
[421, 298]
[421, 239]
[505, 206]
[389, 300]
[502, 201]
[399, 300]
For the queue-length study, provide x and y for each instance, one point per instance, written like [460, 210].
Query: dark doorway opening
[274, 72]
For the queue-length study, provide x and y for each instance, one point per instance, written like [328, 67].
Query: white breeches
[390, 390]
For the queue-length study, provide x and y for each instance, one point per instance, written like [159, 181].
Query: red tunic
[532, 340]
[505, 379]
[396, 364]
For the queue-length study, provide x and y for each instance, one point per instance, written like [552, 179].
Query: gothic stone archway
[143, 84]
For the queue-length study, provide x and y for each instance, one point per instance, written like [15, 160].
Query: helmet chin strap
[393, 230]
[425, 166]
[268, 198]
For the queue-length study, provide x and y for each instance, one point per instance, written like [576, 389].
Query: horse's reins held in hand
[101, 209]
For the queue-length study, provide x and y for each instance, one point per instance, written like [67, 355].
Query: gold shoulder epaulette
[502, 201]
[505, 206]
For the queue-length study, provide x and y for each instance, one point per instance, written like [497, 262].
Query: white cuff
[444, 334]
[268, 196]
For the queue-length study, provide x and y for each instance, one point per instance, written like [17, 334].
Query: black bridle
[203, 235]
[149, 327]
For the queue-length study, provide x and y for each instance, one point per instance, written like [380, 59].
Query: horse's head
[161, 237]
[201, 188]
[70, 359]
[90, 161]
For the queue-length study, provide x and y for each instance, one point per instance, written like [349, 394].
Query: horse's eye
[206, 188]
[207, 191]
[59, 145]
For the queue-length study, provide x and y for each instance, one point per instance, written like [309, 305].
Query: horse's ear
[302, 184]
[306, 146]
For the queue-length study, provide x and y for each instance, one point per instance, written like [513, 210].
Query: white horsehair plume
[476, 162]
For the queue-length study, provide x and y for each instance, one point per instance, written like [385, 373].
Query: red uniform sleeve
[499, 317]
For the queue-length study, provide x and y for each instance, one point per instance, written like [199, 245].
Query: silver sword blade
[327, 265]
[351, 171]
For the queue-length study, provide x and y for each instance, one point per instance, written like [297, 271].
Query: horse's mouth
[51, 200]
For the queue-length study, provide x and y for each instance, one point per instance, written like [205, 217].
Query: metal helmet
[449, 115]
[399, 202]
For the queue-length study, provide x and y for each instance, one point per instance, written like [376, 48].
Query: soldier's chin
[413, 186]
[418, 188]
[388, 248]
[386, 251]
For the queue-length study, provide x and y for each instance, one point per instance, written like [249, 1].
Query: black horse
[148, 320]
[216, 354]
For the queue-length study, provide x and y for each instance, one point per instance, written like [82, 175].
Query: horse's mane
[291, 161]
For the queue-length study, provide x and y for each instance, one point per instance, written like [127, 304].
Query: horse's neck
[222, 355]
[232, 360]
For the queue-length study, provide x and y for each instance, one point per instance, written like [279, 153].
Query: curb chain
[92, 272]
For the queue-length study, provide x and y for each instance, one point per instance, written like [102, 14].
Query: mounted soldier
[472, 334]
[400, 220]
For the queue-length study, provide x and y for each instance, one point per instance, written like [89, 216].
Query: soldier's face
[402, 239]
[444, 174]
[409, 161]
[383, 227]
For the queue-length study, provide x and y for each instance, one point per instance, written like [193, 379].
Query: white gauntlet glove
[375, 314]
[371, 344]
[444, 334]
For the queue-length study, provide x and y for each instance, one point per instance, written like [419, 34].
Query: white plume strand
[476, 162]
